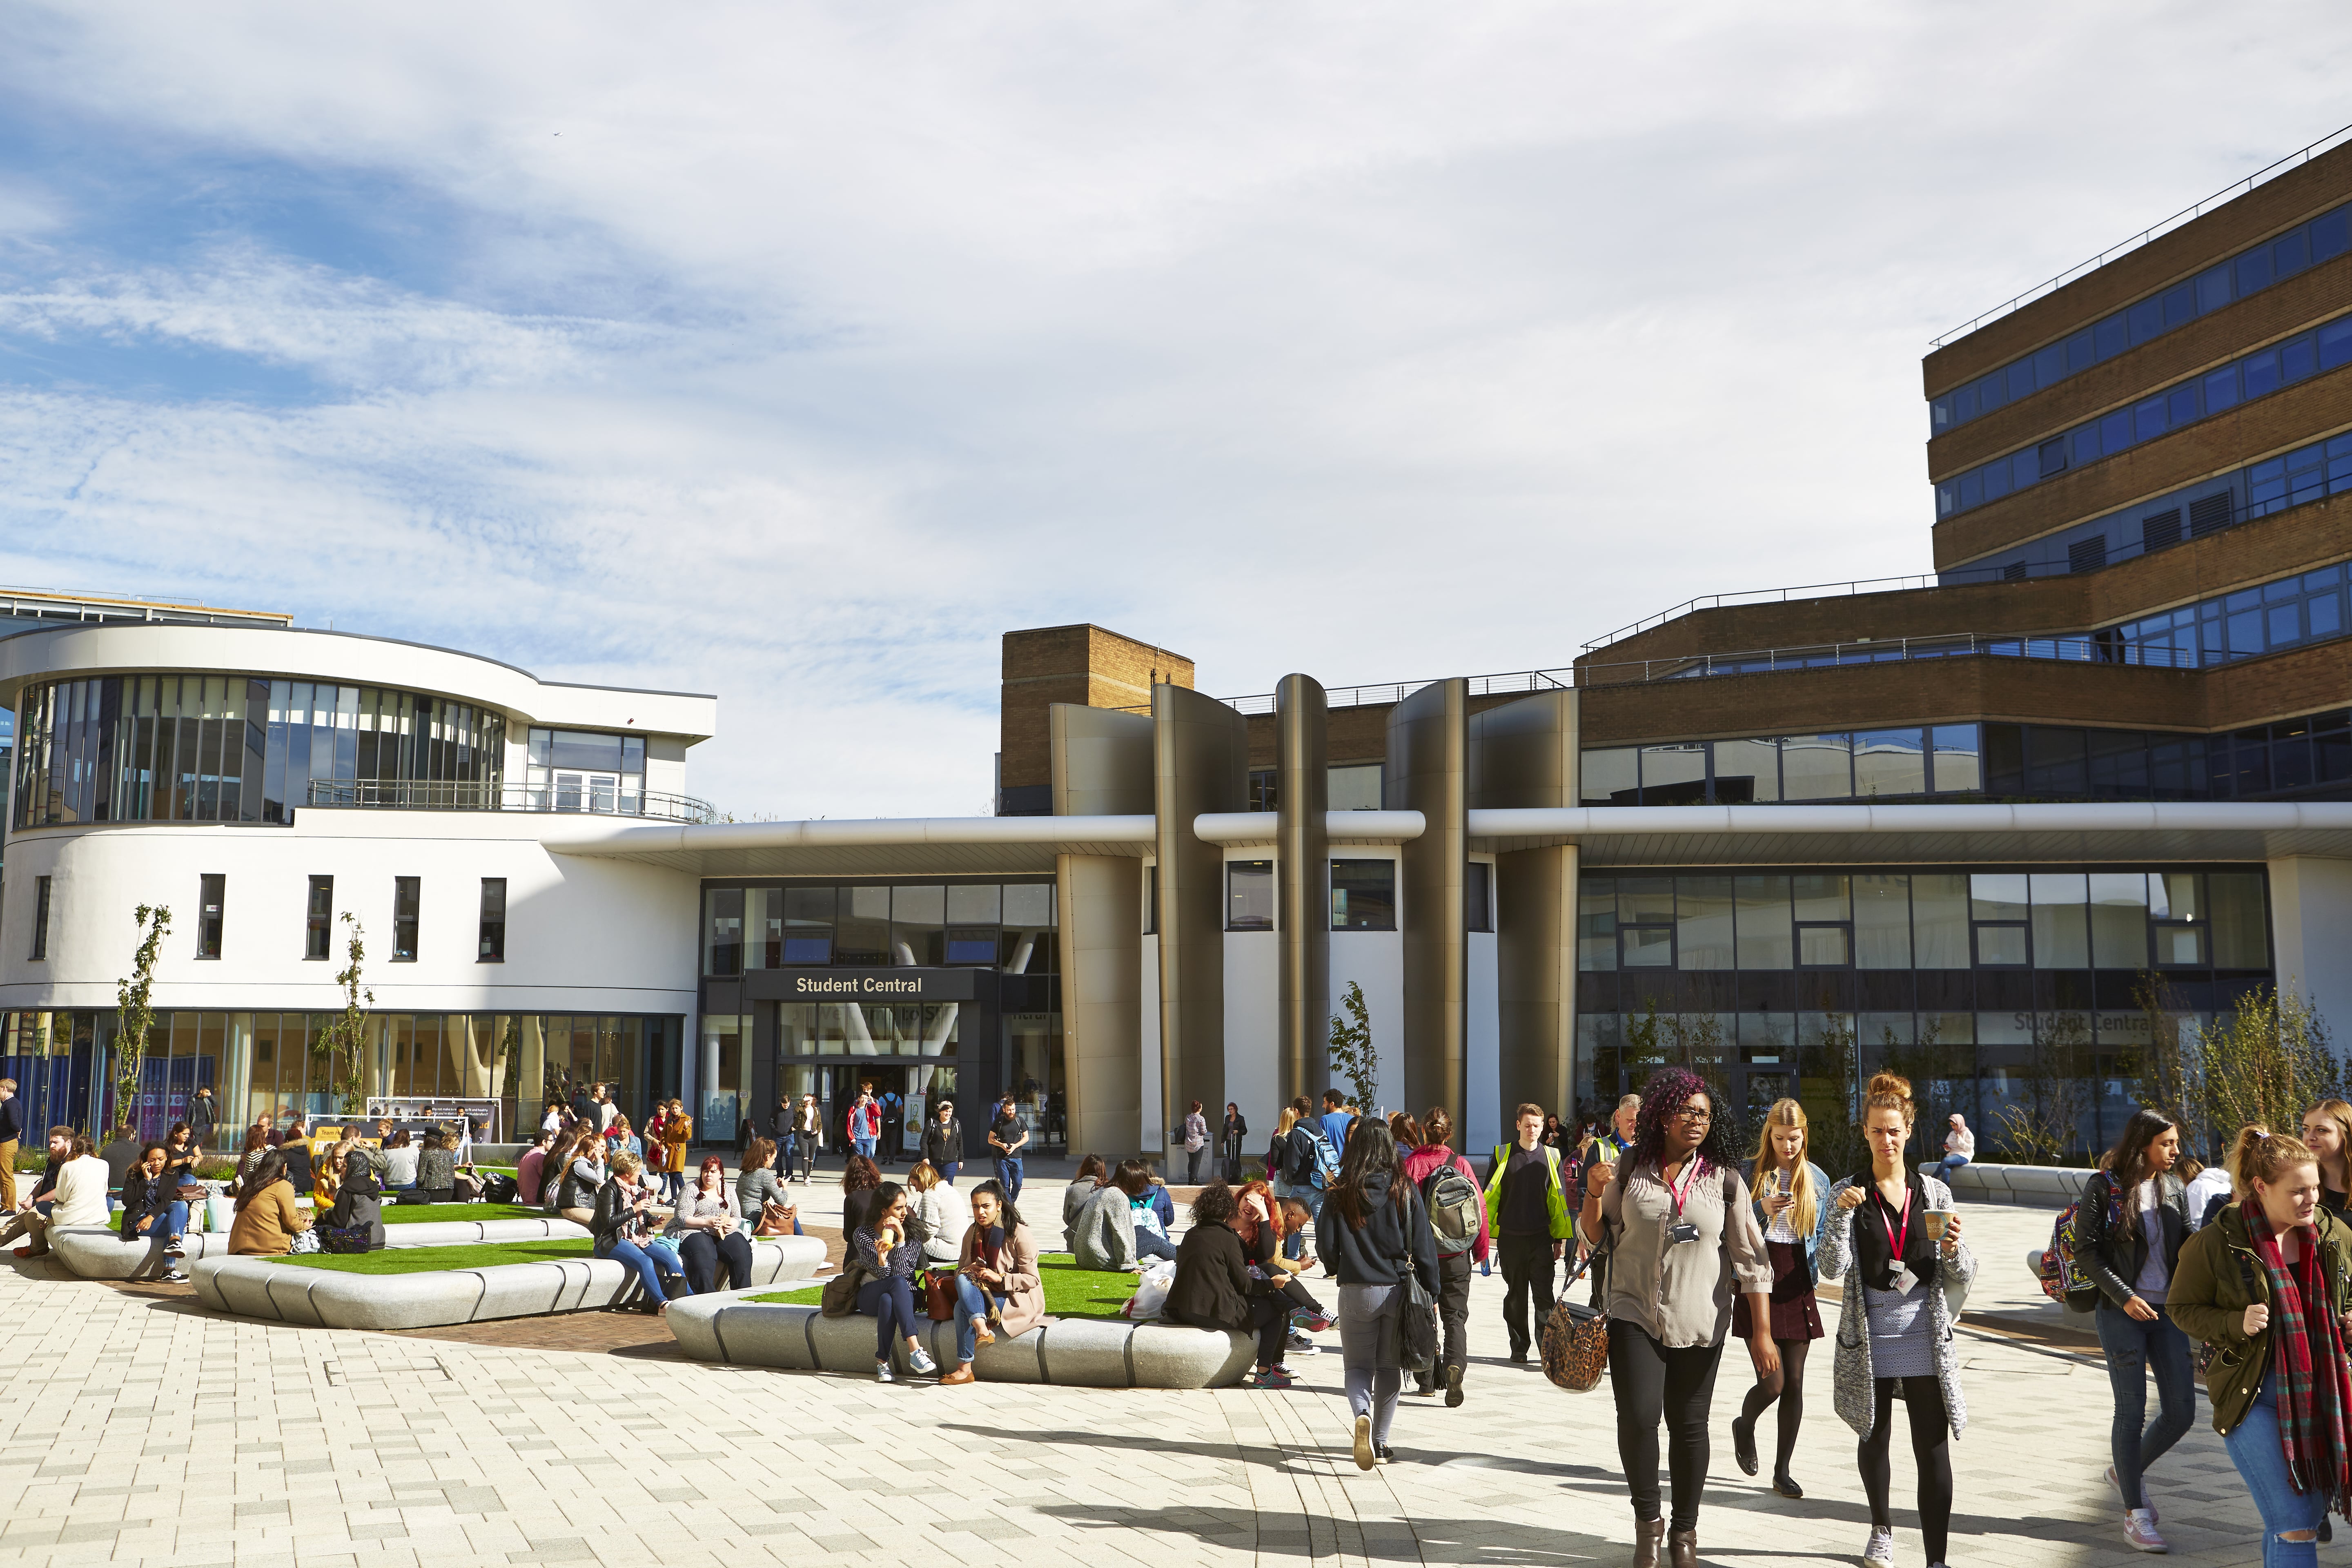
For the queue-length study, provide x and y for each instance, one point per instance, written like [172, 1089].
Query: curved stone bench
[1086, 1352]
[331, 1298]
[96, 1254]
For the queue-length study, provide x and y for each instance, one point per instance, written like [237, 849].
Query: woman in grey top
[1897, 1231]
[437, 1167]
[759, 1189]
[705, 1228]
[1683, 1240]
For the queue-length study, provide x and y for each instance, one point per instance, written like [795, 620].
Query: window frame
[407, 907]
[490, 948]
[41, 905]
[1273, 896]
[1332, 891]
[212, 897]
[317, 923]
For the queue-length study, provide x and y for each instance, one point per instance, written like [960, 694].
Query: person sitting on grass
[152, 1213]
[707, 1233]
[268, 1217]
[887, 1249]
[529, 1169]
[400, 1154]
[1212, 1288]
[1151, 1211]
[436, 1168]
[1102, 1236]
[622, 1225]
[998, 1289]
[1092, 1175]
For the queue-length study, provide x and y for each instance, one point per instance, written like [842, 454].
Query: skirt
[1796, 1314]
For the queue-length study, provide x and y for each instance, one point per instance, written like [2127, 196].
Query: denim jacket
[1820, 1217]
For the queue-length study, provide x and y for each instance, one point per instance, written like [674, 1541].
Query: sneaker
[1273, 1377]
[2147, 1499]
[1453, 1387]
[882, 1372]
[1381, 1451]
[1301, 1345]
[173, 1278]
[1365, 1458]
[175, 1250]
[2139, 1528]
[1314, 1324]
[920, 1362]
[1880, 1552]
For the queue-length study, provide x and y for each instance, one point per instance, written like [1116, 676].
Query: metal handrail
[1398, 690]
[434, 794]
[1768, 596]
[2226, 192]
[1884, 650]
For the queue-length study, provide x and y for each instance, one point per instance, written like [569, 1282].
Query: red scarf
[2308, 1361]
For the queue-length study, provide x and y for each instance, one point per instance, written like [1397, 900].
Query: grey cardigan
[1103, 1235]
[1853, 1387]
[755, 1190]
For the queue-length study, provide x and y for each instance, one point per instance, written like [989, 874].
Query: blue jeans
[649, 1273]
[948, 1171]
[1151, 1244]
[866, 1146]
[2254, 1448]
[1950, 1163]
[172, 1222]
[972, 1300]
[2134, 1350]
[1008, 1171]
[891, 1301]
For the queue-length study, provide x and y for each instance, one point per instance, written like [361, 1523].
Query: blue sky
[794, 354]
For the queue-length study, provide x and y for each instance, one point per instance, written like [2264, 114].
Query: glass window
[1747, 772]
[1703, 922]
[1956, 764]
[2298, 357]
[2213, 287]
[1644, 901]
[319, 919]
[1609, 776]
[2259, 373]
[2240, 925]
[1822, 947]
[1249, 895]
[975, 904]
[1996, 895]
[2146, 320]
[1889, 763]
[1596, 923]
[210, 893]
[2061, 936]
[1356, 787]
[917, 915]
[722, 933]
[491, 947]
[1816, 767]
[1478, 896]
[2253, 270]
[2118, 919]
[1673, 776]
[1881, 920]
[1766, 934]
[405, 899]
[1820, 896]
[40, 918]
[1940, 918]
[2222, 389]
[1363, 895]
[2003, 945]
[1029, 905]
[861, 931]
[1647, 947]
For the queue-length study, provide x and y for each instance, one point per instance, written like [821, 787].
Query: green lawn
[427, 1260]
[424, 1214]
[1070, 1291]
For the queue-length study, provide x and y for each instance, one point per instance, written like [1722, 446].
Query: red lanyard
[1679, 1191]
[1895, 1239]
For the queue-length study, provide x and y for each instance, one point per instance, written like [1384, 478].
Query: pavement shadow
[1485, 1542]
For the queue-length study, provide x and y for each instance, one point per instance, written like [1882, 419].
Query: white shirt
[552, 1123]
[80, 1196]
[1960, 1141]
[2211, 1182]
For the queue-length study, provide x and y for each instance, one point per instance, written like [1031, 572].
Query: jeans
[1151, 1244]
[702, 1253]
[1652, 1382]
[1931, 1453]
[1950, 1163]
[2254, 1447]
[2134, 1350]
[1193, 1167]
[891, 1301]
[866, 1146]
[648, 1274]
[804, 1151]
[1453, 1316]
[166, 1226]
[1008, 1171]
[1373, 1389]
[1311, 1197]
[948, 1171]
[972, 1300]
[1527, 1272]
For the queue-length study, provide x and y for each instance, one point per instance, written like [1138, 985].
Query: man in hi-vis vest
[1527, 1215]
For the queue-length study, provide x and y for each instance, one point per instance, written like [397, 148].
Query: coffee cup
[1936, 1219]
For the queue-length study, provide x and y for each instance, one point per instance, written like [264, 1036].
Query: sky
[794, 354]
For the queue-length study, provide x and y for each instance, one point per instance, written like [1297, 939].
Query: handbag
[1416, 1325]
[939, 1295]
[776, 1219]
[838, 1296]
[1575, 1339]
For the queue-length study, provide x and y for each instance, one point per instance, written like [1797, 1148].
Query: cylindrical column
[1303, 855]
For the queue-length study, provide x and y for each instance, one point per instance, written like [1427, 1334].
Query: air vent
[2013, 571]
[2086, 555]
[2160, 529]
[2209, 514]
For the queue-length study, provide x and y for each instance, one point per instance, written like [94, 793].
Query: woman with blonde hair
[678, 1131]
[938, 1215]
[2328, 1133]
[1792, 1206]
[1276, 1151]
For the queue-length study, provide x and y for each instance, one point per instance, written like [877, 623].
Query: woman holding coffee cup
[1908, 1274]
[1792, 1204]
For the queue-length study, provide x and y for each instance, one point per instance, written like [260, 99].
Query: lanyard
[1679, 1191]
[1895, 1239]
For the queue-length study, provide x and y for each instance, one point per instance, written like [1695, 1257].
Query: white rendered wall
[1374, 960]
[583, 933]
[1150, 1107]
[2311, 935]
[1481, 1123]
[1252, 1001]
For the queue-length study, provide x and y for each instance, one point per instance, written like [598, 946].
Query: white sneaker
[2139, 1528]
[882, 1372]
[2146, 1496]
[1365, 1458]
[1880, 1552]
[922, 1361]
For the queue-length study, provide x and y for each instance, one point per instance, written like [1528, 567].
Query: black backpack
[498, 1187]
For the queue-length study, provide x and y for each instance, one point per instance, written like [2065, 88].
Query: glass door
[587, 792]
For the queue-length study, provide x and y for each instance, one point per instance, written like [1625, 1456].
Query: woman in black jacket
[2128, 1231]
[1236, 1129]
[151, 1212]
[622, 1226]
[1373, 1233]
[943, 1143]
[1212, 1288]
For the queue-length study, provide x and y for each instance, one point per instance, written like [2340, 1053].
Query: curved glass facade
[238, 748]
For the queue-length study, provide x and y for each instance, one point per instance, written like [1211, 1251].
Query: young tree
[2269, 1061]
[343, 1042]
[1352, 1056]
[133, 1017]
[2041, 1126]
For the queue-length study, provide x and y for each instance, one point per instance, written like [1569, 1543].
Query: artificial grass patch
[429, 1260]
[424, 1214]
[1070, 1291]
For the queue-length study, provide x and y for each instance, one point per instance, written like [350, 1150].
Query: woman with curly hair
[1680, 1227]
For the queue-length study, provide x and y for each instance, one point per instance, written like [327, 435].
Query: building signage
[879, 984]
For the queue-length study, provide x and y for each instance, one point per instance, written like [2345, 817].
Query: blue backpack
[1327, 1159]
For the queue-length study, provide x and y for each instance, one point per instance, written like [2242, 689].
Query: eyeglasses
[1698, 1118]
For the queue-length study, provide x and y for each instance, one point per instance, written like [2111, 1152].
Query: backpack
[1327, 1159]
[2063, 1278]
[1455, 1205]
[498, 1187]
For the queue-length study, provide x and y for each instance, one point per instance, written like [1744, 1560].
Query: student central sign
[880, 985]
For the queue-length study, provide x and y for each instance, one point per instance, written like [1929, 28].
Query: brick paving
[143, 1430]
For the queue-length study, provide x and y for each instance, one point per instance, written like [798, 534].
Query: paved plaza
[142, 1430]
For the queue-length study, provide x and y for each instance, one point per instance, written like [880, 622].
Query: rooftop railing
[420, 795]
[1883, 650]
[1770, 596]
[1397, 691]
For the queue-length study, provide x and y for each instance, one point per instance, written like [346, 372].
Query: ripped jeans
[2254, 1448]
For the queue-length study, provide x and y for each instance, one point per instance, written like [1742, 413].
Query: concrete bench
[96, 1254]
[2039, 1186]
[332, 1299]
[1086, 1352]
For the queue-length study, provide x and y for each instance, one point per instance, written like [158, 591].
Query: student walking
[1897, 1244]
[2266, 1285]
[2128, 1231]
[1792, 1204]
[1007, 1137]
[943, 1143]
[1605, 1147]
[808, 1137]
[1681, 1232]
[1196, 1143]
[1526, 1210]
[1379, 1233]
[1449, 1193]
[2328, 1133]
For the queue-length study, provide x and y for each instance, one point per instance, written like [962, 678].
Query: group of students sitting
[976, 1253]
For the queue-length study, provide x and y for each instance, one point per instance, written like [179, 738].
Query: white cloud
[795, 353]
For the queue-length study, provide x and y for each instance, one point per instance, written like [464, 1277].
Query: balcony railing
[1883, 650]
[1338, 697]
[418, 794]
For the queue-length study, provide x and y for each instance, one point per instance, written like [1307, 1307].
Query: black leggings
[703, 1253]
[1651, 1382]
[1931, 1446]
[1787, 1386]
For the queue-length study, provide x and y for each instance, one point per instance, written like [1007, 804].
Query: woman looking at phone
[1793, 1205]
[1896, 1242]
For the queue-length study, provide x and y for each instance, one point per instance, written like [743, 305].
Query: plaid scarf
[2315, 1387]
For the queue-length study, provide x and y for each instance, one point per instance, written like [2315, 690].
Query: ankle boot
[1682, 1548]
[1647, 1533]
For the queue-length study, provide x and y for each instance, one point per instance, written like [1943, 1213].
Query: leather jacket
[2113, 1257]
